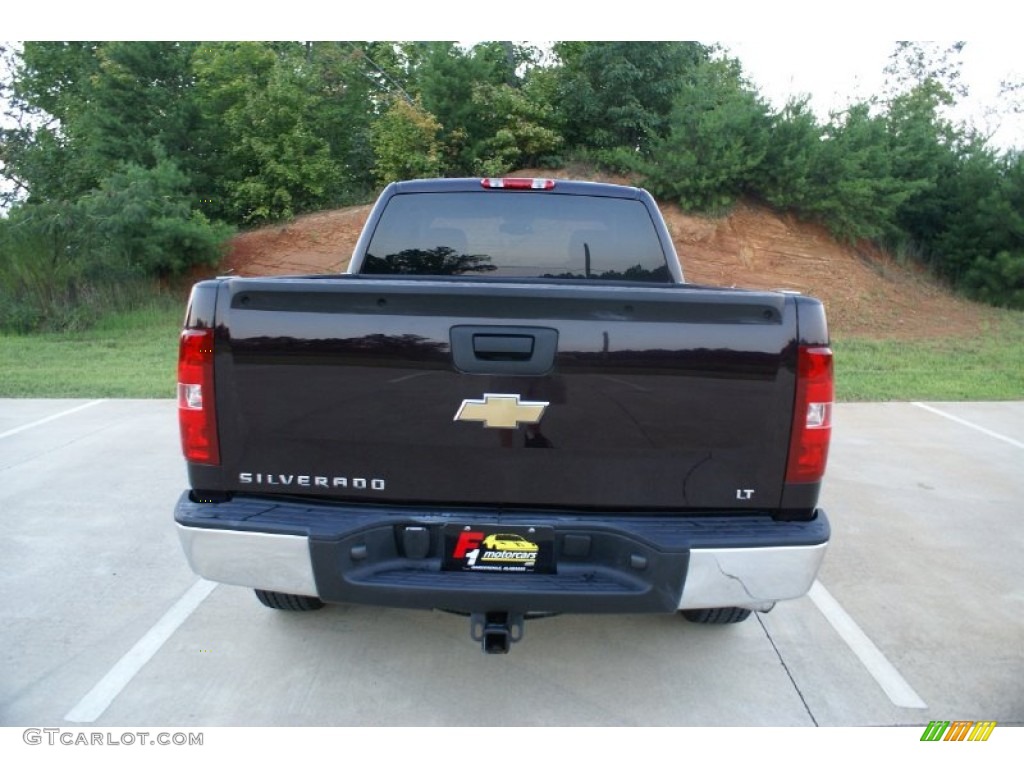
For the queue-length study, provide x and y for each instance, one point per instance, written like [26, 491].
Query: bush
[38, 294]
[65, 263]
[406, 143]
[998, 280]
[140, 222]
[717, 140]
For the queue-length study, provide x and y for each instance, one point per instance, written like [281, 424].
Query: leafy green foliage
[127, 160]
[717, 140]
[92, 106]
[998, 279]
[982, 244]
[621, 94]
[142, 221]
[444, 81]
[787, 177]
[41, 149]
[406, 143]
[263, 113]
[852, 187]
[519, 135]
[141, 105]
[41, 288]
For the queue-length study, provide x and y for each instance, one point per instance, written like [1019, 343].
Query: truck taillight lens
[812, 416]
[196, 413]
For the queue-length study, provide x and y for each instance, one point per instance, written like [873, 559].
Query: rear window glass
[516, 234]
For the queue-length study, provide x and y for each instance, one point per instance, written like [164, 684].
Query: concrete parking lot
[918, 614]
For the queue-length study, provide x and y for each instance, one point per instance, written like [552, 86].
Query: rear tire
[716, 615]
[285, 602]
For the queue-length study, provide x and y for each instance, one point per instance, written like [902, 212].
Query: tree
[922, 82]
[784, 179]
[914, 65]
[85, 107]
[853, 189]
[444, 79]
[141, 104]
[355, 79]
[621, 94]
[406, 143]
[717, 139]
[519, 130]
[100, 124]
[261, 110]
[981, 246]
[141, 221]
[43, 153]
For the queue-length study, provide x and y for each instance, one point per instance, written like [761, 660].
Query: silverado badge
[501, 411]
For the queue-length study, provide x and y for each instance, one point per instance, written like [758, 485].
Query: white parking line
[69, 411]
[966, 423]
[96, 701]
[886, 675]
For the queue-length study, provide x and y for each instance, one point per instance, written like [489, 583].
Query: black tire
[285, 602]
[716, 615]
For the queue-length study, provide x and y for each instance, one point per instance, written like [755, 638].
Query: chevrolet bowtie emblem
[501, 411]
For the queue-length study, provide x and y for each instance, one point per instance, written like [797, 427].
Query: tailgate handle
[520, 351]
[488, 346]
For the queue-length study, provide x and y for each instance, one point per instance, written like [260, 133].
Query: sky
[836, 71]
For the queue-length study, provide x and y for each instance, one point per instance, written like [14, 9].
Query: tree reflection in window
[433, 261]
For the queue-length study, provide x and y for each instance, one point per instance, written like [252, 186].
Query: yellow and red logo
[477, 549]
[499, 548]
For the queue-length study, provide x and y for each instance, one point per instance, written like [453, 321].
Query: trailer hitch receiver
[496, 631]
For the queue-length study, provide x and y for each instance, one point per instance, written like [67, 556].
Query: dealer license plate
[499, 548]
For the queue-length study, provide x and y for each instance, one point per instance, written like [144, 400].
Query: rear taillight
[196, 413]
[517, 183]
[812, 416]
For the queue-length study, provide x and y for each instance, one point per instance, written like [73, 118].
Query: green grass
[128, 354]
[134, 354]
[987, 367]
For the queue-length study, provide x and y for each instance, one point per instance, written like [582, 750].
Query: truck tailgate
[553, 394]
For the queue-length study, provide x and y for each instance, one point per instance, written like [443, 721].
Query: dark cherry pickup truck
[512, 405]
